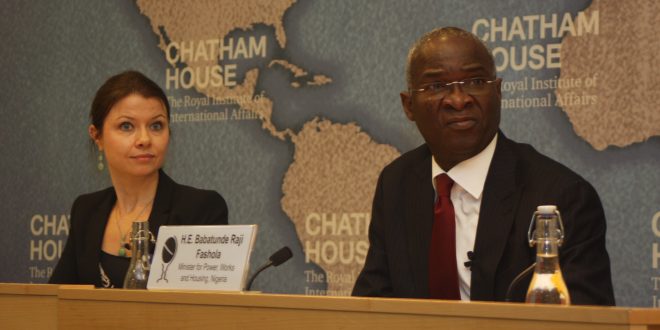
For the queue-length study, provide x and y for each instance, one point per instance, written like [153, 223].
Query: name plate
[202, 257]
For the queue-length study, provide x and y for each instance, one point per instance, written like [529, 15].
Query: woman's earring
[100, 165]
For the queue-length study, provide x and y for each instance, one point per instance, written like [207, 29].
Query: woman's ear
[95, 135]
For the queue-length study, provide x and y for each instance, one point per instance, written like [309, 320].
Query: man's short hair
[437, 33]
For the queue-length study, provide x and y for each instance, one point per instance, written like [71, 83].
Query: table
[39, 306]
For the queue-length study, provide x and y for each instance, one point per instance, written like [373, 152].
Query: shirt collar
[471, 173]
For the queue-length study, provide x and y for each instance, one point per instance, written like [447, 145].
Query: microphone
[516, 280]
[468, 264]
[276, 259]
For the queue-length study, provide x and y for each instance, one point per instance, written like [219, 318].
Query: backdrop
[291, 109]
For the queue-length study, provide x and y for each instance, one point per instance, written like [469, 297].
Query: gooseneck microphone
[276, 259]
[515, 281]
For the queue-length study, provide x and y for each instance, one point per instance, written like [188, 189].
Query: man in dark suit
[494, 184]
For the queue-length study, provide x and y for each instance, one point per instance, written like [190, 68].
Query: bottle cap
[546, 209]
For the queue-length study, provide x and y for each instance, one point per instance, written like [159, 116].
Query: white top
[469, 178]
[546, 209]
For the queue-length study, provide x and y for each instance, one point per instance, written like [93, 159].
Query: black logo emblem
[168, 253]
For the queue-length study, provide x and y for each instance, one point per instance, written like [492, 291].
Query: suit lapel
[97, 223]
[419, 197]
[496, 217]
[160, 213]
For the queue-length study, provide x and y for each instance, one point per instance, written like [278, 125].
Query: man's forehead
[451, 47]
[440, 67]
[444, 54]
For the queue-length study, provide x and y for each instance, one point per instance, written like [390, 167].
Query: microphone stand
[516, 280]
[279, 257]
[261, 269]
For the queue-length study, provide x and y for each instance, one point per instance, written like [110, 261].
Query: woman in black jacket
[130, 125]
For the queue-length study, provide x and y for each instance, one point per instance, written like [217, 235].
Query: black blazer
[174, 204]
[519, 179]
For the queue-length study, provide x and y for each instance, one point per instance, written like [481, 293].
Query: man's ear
[406, 102]
[94, 134]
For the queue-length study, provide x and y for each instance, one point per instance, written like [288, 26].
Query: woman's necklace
[122, 236]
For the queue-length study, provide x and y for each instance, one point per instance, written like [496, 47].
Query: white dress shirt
[469, 178]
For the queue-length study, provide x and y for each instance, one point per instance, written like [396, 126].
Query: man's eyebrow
[433, 72]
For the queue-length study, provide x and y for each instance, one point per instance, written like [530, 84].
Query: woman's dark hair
[119, 87]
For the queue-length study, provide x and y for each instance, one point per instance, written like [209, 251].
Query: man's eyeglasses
[472, 86]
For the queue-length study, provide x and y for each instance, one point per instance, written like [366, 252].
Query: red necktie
[443, 274]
